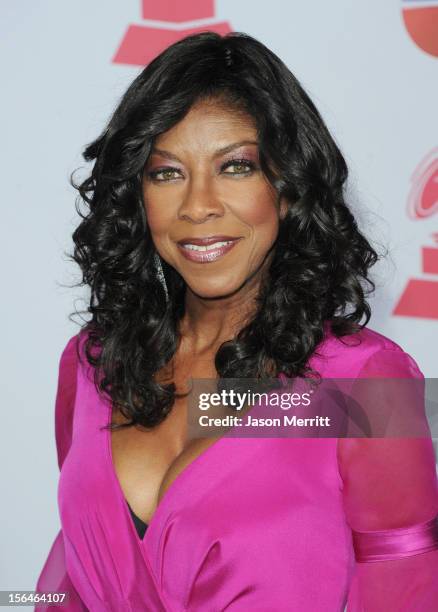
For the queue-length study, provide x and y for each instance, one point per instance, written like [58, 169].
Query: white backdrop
[375, 87]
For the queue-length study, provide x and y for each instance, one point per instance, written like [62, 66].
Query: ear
[283, 209]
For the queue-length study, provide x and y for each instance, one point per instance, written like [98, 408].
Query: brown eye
[163, 174]
[240, 166]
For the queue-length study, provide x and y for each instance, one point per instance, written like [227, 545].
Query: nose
[201, 201]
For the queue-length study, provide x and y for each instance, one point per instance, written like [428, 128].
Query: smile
[206, 253]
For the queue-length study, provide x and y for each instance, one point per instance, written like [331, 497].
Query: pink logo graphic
[421, 21]
[423, 199]
[420, 297]
[141, 43]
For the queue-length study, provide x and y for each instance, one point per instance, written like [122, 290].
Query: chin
[214, 290]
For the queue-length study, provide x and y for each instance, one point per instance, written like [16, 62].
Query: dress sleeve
[54, 576]
[390, 494]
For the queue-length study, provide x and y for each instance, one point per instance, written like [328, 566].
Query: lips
[206, 240]
[208, 248]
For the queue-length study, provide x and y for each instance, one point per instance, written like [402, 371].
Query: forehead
[207, 126]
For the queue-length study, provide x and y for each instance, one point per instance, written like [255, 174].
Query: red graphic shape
[141, 44]
[176, 12]
[430, 260]
[423, 198]
[429, 201]
[419, 299]
[422, 26]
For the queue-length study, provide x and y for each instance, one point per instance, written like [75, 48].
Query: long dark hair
[319, 271]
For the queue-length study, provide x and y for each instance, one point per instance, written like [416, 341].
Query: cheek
[260, 212]
[158, 215]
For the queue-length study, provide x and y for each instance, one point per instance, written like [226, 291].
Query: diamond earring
[160, 274]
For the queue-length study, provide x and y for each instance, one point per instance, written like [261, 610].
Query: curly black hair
[319, 273]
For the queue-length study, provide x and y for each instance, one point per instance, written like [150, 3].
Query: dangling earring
[160, 274]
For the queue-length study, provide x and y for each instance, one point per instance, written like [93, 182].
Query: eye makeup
[240, 161]
[153, 174]
[250, 165]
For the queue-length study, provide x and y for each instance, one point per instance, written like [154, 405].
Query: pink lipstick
[206, 249]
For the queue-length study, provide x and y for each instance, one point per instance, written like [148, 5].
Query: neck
[208, 322]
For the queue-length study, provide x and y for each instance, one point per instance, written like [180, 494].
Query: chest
[146, 461]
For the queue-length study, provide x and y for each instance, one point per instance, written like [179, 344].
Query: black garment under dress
[139, 524]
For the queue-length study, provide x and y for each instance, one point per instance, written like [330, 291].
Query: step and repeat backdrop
[371, 68]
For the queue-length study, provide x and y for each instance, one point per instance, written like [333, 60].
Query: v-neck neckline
[166, 496]
[170, 490]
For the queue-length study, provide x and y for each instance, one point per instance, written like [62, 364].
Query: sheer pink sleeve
[390, 490]
[54, 576]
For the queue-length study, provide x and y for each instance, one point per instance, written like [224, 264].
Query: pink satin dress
[252, 524]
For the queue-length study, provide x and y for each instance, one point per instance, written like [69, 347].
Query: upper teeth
[209, 247]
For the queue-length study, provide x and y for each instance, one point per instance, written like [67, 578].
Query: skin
[194, 195]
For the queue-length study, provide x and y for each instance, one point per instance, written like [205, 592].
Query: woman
[218, 244]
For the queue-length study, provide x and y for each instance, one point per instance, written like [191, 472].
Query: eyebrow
[218, 152]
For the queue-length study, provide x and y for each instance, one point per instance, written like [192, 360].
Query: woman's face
[203, 180]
